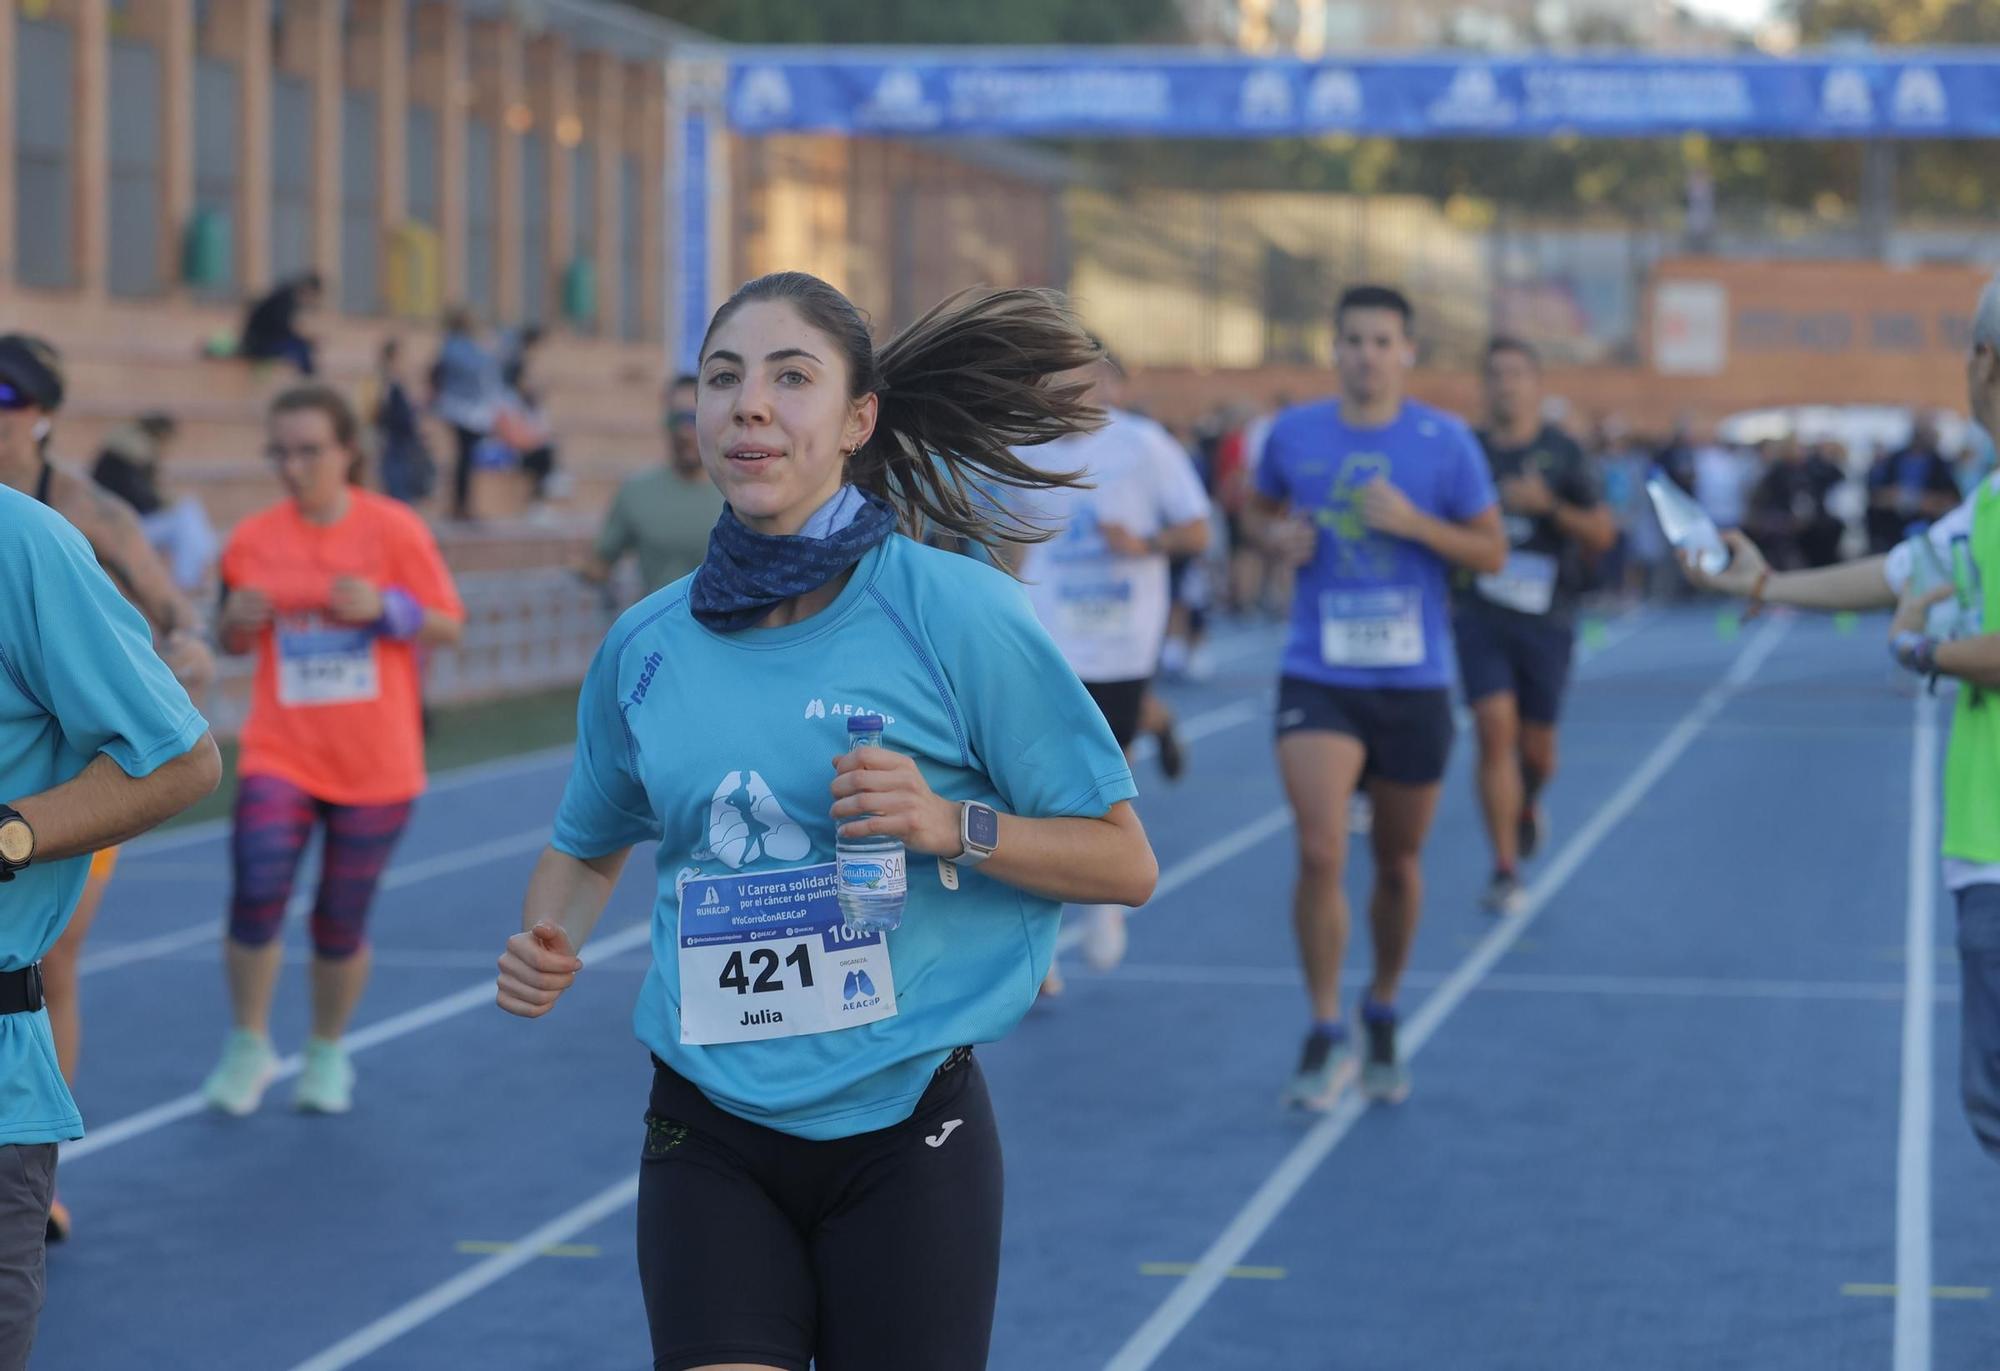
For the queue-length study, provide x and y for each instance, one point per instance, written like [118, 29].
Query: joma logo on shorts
[650, 669]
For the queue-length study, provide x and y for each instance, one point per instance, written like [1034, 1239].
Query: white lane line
[106, 957]
[1200, 864]
[443, 783]
[1196, 727]
[1194, 1290]
[109, 956]
[1280, 818]
[1524, 983]
[1913, 1136]
[565, 1226]
[475, 996]
[462, 1287]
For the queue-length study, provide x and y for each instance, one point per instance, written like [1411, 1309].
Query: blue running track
[1683, 1113]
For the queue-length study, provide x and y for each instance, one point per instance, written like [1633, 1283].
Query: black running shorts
[1120, 703]
[878, 1252]
[1406, 733]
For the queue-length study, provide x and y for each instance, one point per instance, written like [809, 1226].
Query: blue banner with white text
[993, 93]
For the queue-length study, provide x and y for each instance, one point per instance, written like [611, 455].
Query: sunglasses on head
[12, 397]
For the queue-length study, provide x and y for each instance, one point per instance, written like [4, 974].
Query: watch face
[982, 826]
[17, 841]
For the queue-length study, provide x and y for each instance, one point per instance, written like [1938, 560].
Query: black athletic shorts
[878, 1252]
[1406, 733]
[1120, 702]
[1501, 652]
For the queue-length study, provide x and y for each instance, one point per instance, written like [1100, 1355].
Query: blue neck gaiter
[746, 573]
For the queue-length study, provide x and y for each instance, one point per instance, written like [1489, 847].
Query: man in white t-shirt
[1100, 585]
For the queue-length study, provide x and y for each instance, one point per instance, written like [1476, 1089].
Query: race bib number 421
[767, 955]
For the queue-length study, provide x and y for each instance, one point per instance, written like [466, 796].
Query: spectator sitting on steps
[271, 331]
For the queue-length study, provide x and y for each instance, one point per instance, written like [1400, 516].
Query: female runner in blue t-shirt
[822, 1179]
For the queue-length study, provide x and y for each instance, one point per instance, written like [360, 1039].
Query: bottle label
[874, 873]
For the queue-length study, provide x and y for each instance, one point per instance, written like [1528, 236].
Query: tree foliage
[927, 21]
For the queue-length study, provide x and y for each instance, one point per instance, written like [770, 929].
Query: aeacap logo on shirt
[817, 708]
[747, 824]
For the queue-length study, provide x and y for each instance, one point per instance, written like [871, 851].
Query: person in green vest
[663, 515]
[1955, 559]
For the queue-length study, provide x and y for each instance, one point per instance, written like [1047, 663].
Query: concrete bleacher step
[123, 358]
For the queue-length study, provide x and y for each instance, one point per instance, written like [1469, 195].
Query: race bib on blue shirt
[767, 955]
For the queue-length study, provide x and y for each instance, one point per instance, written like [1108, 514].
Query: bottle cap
[864, 723]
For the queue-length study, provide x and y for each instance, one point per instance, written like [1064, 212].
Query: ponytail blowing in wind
[983, 372]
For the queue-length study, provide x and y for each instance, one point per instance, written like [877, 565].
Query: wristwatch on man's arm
[17, 842]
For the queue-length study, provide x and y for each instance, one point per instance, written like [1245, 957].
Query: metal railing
[524, 631]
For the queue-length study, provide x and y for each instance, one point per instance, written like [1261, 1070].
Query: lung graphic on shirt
[1356, 550]
[746, 823]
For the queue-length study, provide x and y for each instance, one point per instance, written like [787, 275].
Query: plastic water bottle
[1928, 571]
[1687, 525]
[1966, 590]
[871, 881]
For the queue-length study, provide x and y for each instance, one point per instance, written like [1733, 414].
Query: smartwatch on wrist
[978, 832]
[17, 842]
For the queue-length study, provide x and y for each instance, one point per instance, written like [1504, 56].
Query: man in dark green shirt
[663, 515]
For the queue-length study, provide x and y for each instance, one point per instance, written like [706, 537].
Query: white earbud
[41, 430]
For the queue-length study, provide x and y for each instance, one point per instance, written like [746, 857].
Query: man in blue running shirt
[1375, 499]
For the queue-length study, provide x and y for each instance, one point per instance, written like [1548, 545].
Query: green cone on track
[1845, 621]
[1593, 633]
[1727, 625]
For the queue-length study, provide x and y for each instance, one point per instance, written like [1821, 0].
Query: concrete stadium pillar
[383, 26]
[450, 88]
[90, 118]
[502, 93]
[603, 82]
[552, 98]
[646, 131]
[6, 151]
[325, 41]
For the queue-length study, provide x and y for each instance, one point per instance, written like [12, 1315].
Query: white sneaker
[1103, 936]
[326, 1083]
[1201, 664]
[247, 1068]
[1174, 658]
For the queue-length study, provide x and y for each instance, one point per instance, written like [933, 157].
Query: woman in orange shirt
[334, 589]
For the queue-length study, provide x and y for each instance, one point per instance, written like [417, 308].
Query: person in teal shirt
[820, 1148]
[98, 743]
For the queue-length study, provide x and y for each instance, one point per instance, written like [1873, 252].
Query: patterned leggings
[274, 821]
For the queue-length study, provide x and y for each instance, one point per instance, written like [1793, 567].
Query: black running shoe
[1326, 1064]
[1383, 1075]
[1528, 833]
[1503, 894]
[1173, 761]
